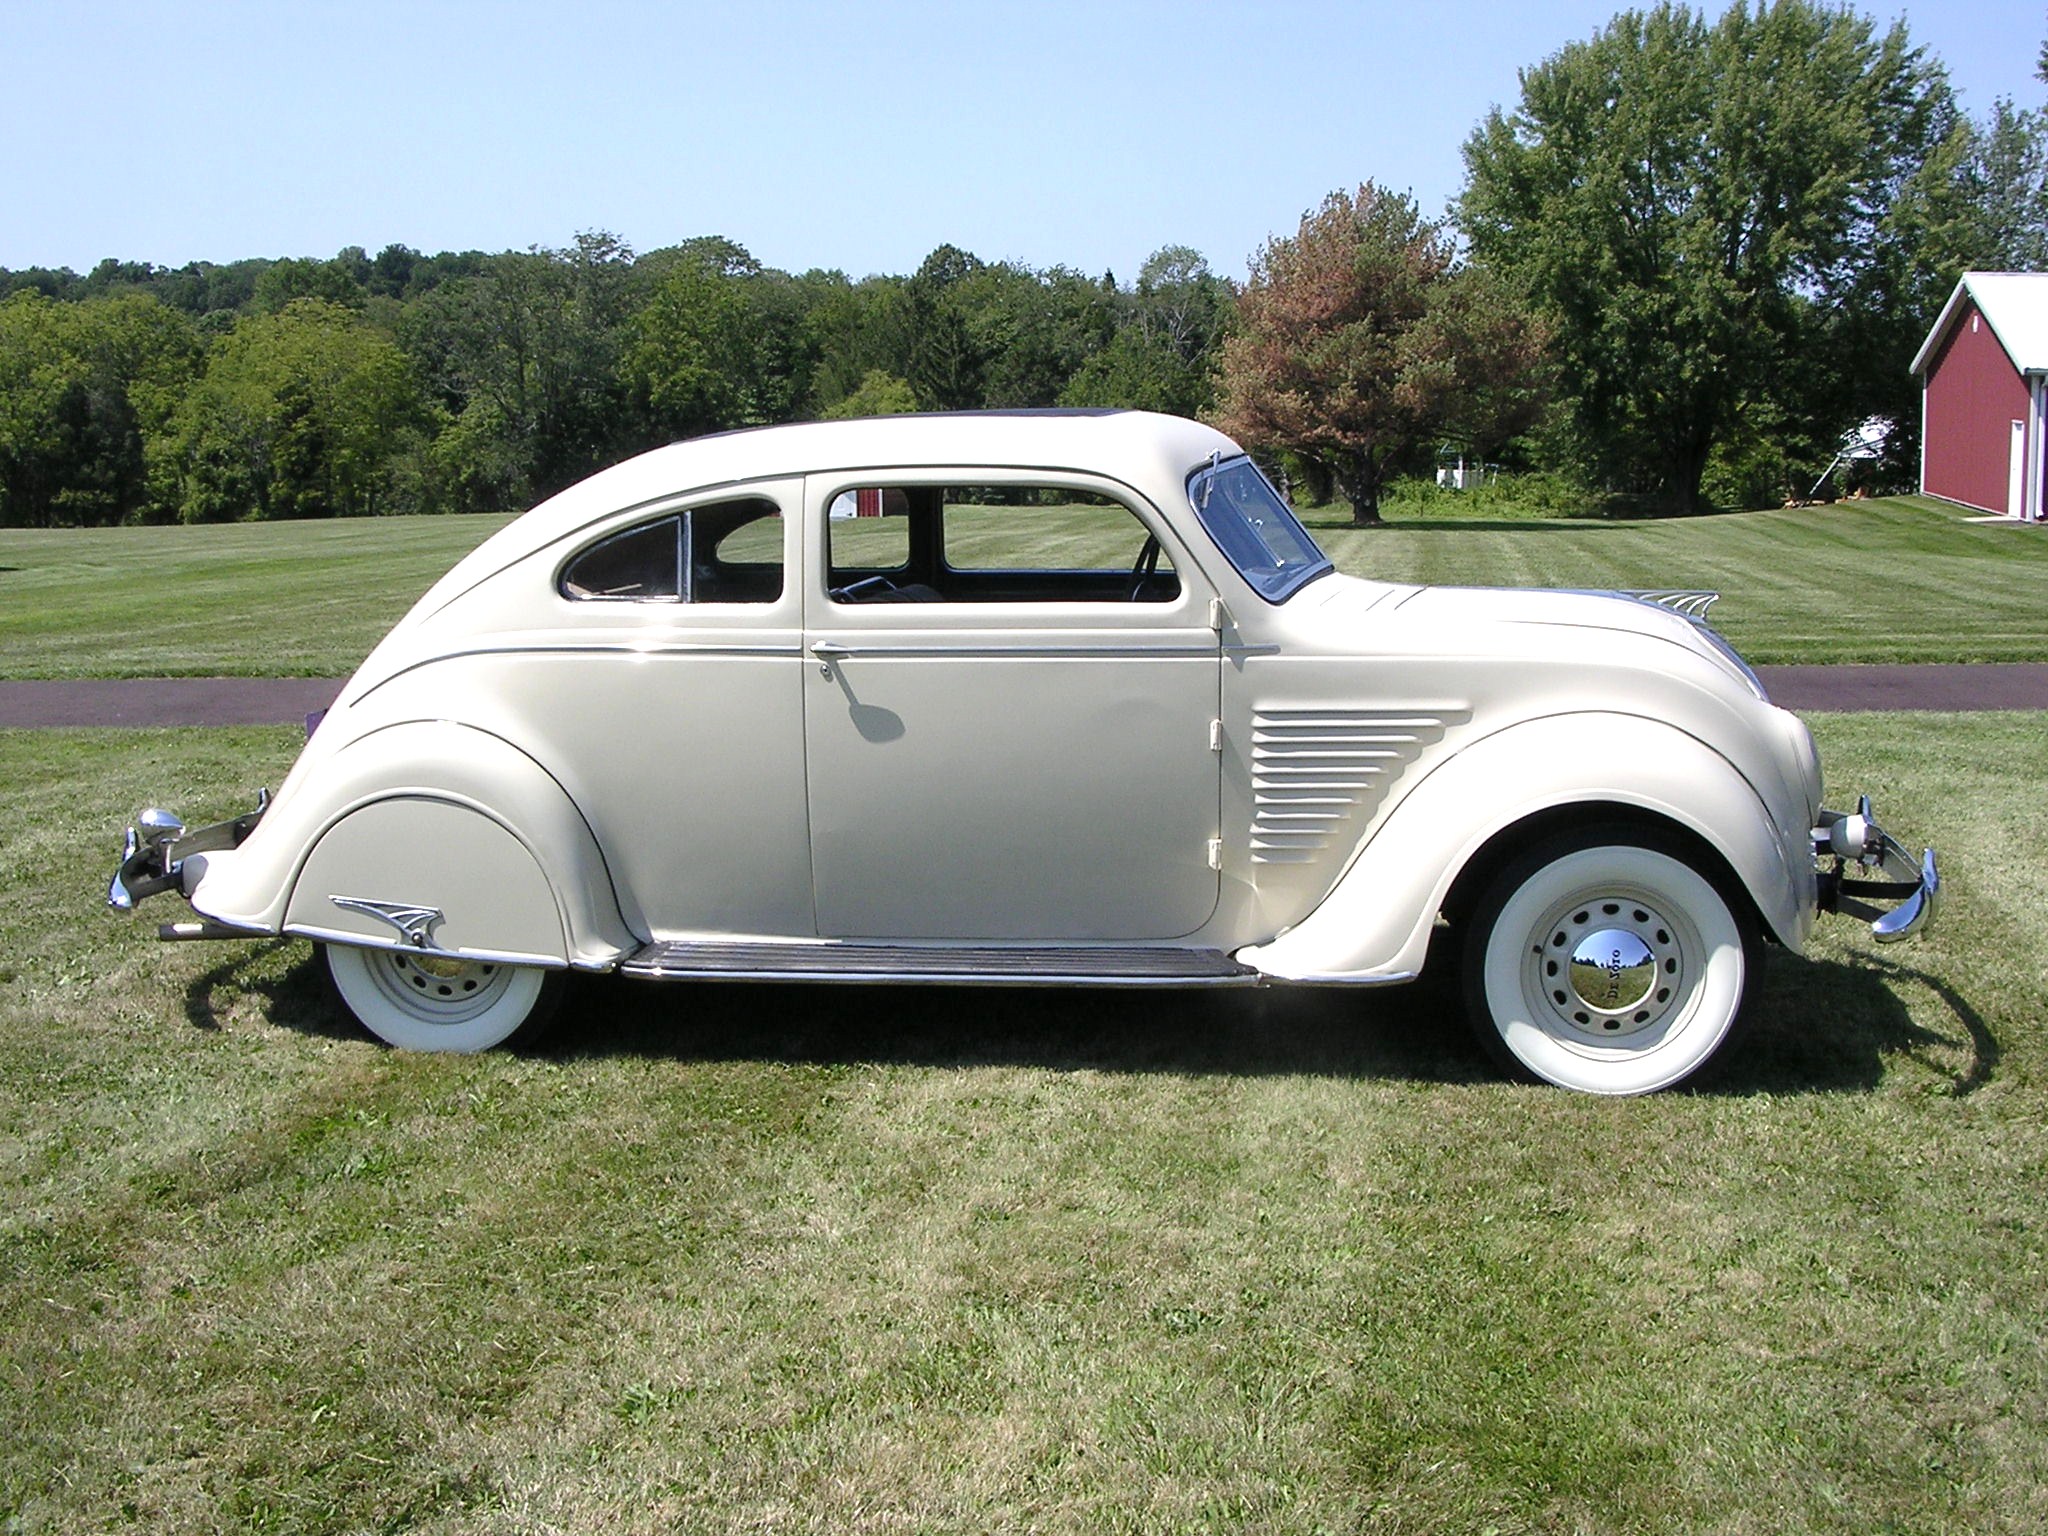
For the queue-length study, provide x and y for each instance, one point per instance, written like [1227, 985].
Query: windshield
[1255, 530]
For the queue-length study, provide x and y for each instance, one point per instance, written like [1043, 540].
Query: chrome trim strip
[1338, 979]
[838, 652]
[637, 651]
[940, 978]
[482, 956]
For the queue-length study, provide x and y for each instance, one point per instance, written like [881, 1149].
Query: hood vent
[1317, 773]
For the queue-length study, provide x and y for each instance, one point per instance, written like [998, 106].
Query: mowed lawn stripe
[1897, 580]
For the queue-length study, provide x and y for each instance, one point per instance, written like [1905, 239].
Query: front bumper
[1851, 841]
[153, 857]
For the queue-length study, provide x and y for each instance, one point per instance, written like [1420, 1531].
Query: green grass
[300, 599]
[845, 1260]
[1903, 579]
[1897, 579]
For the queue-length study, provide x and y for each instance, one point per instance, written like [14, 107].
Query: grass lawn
[297, 599]
[830, 1260]
[1903, 579]
[1897, 579]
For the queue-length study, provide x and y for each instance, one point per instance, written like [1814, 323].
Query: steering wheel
[1143, 568]
[866, 590]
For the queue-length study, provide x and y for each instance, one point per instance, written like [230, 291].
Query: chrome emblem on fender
[414, 924]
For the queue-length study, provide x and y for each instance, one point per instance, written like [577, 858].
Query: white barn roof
[2014, 305]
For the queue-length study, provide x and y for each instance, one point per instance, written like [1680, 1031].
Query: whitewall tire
[1602, 965]
[425, 1003]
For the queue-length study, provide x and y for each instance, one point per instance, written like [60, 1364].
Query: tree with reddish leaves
[1360, 340]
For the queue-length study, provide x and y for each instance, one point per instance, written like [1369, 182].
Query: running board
[975, 965]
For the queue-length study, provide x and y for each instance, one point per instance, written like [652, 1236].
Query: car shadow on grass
[1405, 1033]
[1821, 1026]
[1826, 1026]
[284, 978]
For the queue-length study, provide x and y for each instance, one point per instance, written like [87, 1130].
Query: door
[668, 698]
[1008, 715]
[2016, 473]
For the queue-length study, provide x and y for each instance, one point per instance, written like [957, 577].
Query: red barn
[1983, 374]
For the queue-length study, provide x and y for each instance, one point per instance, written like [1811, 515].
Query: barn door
[2016, 473]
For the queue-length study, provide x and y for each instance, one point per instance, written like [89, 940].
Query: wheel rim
[1662, 969]
[439, 989]
[1609, 967]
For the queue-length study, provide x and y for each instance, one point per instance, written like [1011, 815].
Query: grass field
[1896, 580]
[846, 1260]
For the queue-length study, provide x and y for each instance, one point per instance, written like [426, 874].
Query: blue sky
[856, 136]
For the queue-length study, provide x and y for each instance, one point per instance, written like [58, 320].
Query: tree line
[1691, 255]
[459, 382]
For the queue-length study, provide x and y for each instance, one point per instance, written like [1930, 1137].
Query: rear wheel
[421, 1002]
[1605, 965]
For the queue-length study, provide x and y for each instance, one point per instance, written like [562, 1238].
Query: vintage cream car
[1031, 698]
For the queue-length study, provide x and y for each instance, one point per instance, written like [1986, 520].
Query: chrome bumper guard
[1852, 840]
[159, 843]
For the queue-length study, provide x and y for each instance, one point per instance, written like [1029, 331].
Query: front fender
[454, 808]
[1375, 923]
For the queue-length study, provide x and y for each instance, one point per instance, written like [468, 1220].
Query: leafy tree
[1163, 355]
[880, 394]
[536, 338]
[1709, 215]
[86, 389]
[946, 361]
[693, 350]
[1032, 330]
[2009, 175]
[851, 331]
[337, 282]
[300, 414]
[1357, 342]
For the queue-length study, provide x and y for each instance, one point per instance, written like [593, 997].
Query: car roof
[1137, 447]
[1150, 452]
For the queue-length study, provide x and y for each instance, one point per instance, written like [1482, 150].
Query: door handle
[827, 653]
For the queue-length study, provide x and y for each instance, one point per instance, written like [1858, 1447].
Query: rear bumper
[1862, 865]
[153, 861]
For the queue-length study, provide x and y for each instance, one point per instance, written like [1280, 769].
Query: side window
[867, 543]
[642, 564]
[993, 544]
[728, 552]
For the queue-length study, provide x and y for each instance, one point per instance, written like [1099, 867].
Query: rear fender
[433, 816]
[1375, 923]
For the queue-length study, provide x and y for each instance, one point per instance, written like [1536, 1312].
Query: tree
[946, 362]
[1163, 355]
[880, 394]
[1358, 341]
[300, 414]
[695, 350]
[1706, 212]
[2009, 172]
[86, 390]
[536, 339]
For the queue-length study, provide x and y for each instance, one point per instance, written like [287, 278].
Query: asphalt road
[182, 701]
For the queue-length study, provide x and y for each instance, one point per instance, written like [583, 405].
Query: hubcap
[1607, 967]
[1611, 971]
[440, 989]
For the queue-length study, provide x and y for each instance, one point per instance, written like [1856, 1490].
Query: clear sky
[856, 135]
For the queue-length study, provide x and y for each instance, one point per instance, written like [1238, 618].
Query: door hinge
[1215, 735]
[1215, 853]
[1219, 616]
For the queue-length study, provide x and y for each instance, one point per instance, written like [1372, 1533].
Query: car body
[1031, 697]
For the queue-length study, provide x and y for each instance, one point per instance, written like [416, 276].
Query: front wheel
[423, 1002]
[1603, 965]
